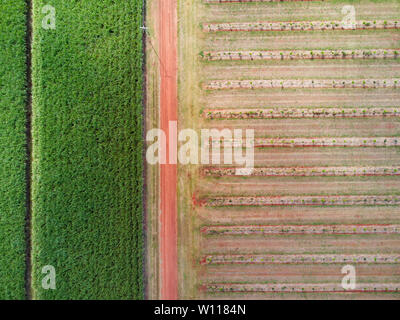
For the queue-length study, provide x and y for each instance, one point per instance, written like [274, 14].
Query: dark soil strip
[28, 172]
[144, 191]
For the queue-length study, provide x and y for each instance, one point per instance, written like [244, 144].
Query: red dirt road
[168, 30]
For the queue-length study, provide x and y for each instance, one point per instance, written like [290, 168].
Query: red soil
[168, 172]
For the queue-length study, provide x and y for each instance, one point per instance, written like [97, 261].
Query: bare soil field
[311, 128]
[301, 157]
[297, 215]
[306, 126]
[301, 97]
[297, 273]
[320, 69]
[284, 40]
[298, 186]
[302, 244]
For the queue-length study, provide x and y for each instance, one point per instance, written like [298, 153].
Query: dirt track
[168, 112]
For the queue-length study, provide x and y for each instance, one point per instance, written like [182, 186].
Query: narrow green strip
[12, 148]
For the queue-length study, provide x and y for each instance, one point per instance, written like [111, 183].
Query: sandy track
[296, 215]
[254, 186]
[358, 40]
[317, 71]
[301, 97]
[298, 273]
[314, 127]
[302, 244]
[301, 296]
[302, 229]
[303, 157]
[168, 112]
[311, 128]
[224, 16]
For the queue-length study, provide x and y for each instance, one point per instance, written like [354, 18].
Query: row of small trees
[301, 229]
[300, 54]
[301, 258]
[318, 83]
[316, 142]
[307, 172]
[326, 142]
[297, 26]
[303, 200]
[306, 287]
[229, 1]
[270, 113]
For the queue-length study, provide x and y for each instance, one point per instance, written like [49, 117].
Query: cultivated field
[87, 150]
[12, 148]
[324, 105]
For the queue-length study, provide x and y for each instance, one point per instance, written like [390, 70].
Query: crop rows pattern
[87, 157]
[284, 83]
[300, 26]
[322, 193]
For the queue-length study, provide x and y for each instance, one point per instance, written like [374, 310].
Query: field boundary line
[144, 177]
